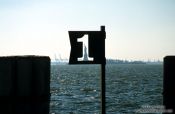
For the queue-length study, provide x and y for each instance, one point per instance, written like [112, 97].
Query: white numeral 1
[85, 48]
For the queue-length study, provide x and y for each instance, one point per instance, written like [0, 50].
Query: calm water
[75, 89]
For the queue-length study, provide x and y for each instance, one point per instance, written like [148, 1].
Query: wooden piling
[24, 85]
[169, 83]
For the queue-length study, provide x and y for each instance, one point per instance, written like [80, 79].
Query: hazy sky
[136, 29]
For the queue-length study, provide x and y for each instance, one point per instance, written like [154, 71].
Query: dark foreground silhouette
[169, 83]
[24, 85]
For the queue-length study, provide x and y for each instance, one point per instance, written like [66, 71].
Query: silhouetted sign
[90, 52]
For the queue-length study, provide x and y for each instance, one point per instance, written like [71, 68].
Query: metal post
[103, 90]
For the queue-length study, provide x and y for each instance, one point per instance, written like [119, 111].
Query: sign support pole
[103, 89]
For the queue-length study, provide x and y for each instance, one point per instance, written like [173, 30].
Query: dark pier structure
[24, 85]
[169, 83]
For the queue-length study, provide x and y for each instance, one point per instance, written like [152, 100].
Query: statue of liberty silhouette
[85, 56]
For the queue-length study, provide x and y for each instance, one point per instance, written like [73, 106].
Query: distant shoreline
[117, 61]
[114, 61]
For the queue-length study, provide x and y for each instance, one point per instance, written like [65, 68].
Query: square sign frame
[96, 44]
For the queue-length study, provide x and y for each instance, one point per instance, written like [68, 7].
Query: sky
[135, 29]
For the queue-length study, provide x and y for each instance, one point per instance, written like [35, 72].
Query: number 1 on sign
[85, 48]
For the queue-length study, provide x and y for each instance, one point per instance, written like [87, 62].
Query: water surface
[75, 89]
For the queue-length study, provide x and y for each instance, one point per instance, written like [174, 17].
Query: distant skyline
[135, 29]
